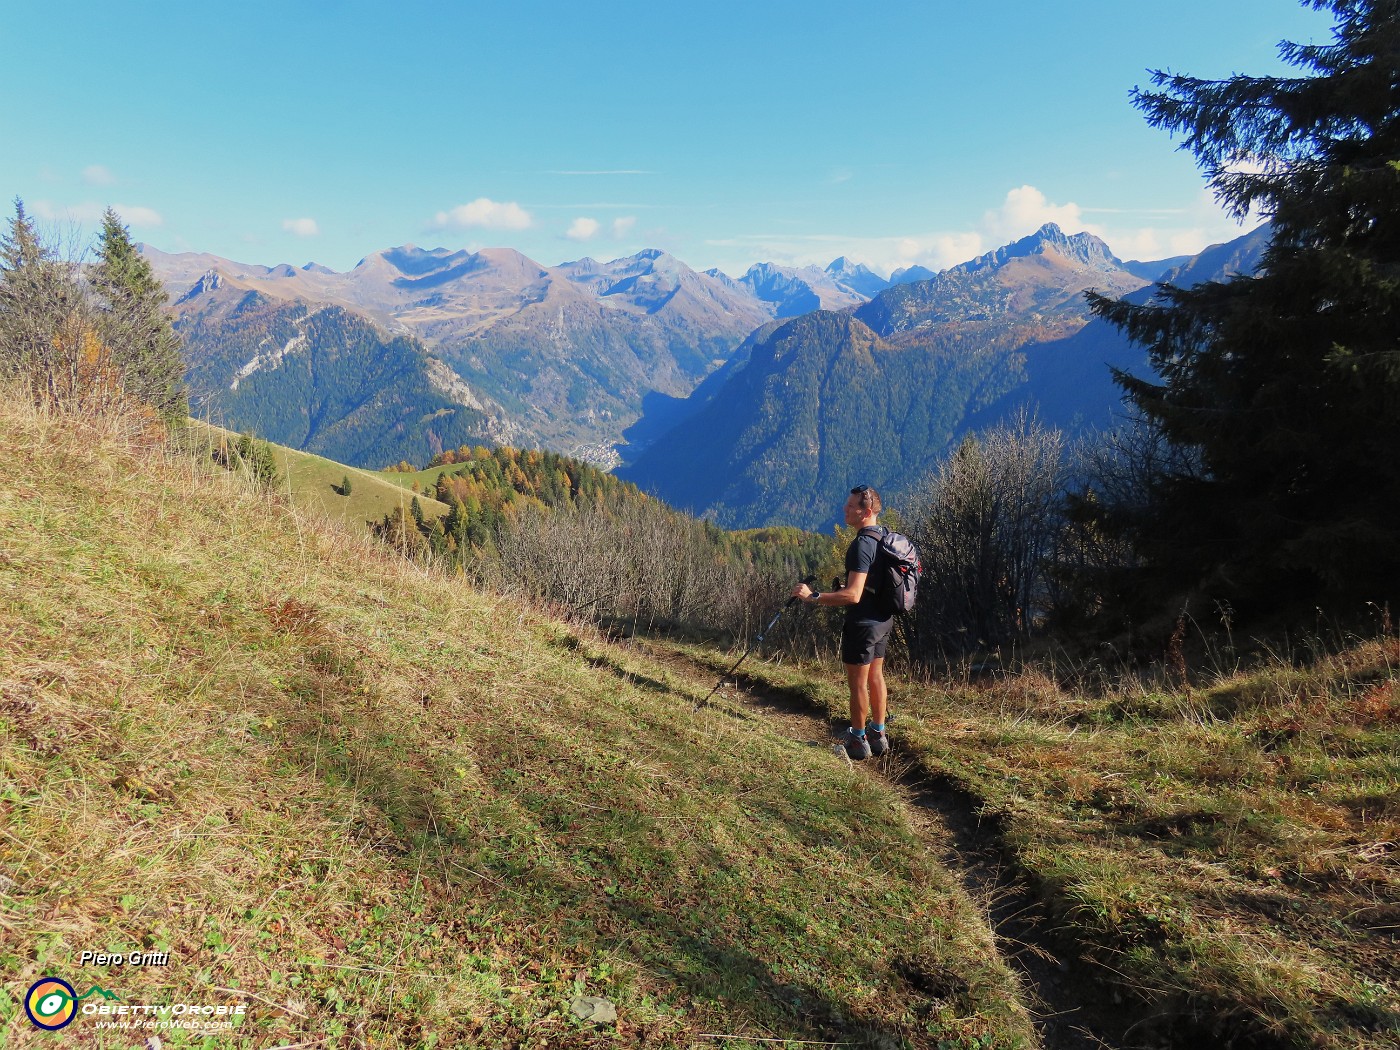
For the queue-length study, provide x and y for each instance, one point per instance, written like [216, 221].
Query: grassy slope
[1231, 853]
[313, 483]
[382, 809]
[427, 479]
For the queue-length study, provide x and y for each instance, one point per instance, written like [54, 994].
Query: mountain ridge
[766, 446]
[573, 356]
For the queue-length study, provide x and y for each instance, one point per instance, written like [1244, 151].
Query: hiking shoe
[857, 746]
[878, 743]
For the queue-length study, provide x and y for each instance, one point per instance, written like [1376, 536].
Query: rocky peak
[1082, 248]
[210, 282]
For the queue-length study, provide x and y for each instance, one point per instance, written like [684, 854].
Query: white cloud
[137, 215]
[1173, 231]
[622, 226]
[1026, 210]
[97, 175]
[91, 211]
[301, 227]
[939, 251]
[582, 229]
[487, 214]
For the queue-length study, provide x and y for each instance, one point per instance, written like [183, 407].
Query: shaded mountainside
[1069, 382]
[323, 380]
[662, 412]
[823, 400]
[823, 404]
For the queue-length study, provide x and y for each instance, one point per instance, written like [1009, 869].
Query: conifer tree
[41, 306]
[1286, 384]
[253, 456]
[135, 327]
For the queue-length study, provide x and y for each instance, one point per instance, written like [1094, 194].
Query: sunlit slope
[314, 483]
[380, 809]
[1223, 856]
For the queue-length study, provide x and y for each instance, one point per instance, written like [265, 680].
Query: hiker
[867, 629]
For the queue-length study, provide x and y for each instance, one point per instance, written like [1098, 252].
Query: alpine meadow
[834, 608]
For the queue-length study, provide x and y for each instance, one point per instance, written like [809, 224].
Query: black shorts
[863, 643]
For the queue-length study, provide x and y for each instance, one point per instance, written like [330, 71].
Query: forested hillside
[322, 380]
[823, 405]
[556, 529]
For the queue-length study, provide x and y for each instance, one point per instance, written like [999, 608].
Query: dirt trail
[1073, 1009]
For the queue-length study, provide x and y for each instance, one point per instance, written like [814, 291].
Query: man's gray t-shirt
[860, 557]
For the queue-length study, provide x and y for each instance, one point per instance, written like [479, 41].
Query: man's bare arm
[847, 595]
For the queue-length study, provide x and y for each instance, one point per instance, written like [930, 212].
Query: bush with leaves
[250, 457]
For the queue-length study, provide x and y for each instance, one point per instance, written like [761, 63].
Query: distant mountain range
[557, 356]
[413, 350]
[791, 291]
[879, 393]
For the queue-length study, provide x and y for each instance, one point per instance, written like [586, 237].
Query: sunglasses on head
[860, 490]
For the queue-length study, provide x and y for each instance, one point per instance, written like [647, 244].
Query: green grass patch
[314, 484]
[1229, 855]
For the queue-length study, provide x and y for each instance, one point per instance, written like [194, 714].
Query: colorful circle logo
[51, 1003]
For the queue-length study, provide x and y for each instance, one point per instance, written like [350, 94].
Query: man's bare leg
[875, 691]
[858, 679]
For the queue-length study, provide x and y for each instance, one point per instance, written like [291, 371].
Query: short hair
[869, 498]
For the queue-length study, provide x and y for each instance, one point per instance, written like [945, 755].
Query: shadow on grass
[588, 879]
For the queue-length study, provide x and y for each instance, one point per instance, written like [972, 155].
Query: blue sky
[723, 132]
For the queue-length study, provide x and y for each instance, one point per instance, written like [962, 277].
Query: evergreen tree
[345, 485]
[1286, 384]
[134, 325]
[437, 539]
[42, 315]
[253, 456]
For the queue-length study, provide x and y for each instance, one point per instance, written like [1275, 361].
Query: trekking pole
[758, 640]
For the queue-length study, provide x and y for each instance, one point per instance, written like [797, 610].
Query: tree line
[1257, 479]
[555, 529]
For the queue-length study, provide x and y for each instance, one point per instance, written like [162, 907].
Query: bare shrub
[985, 523]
